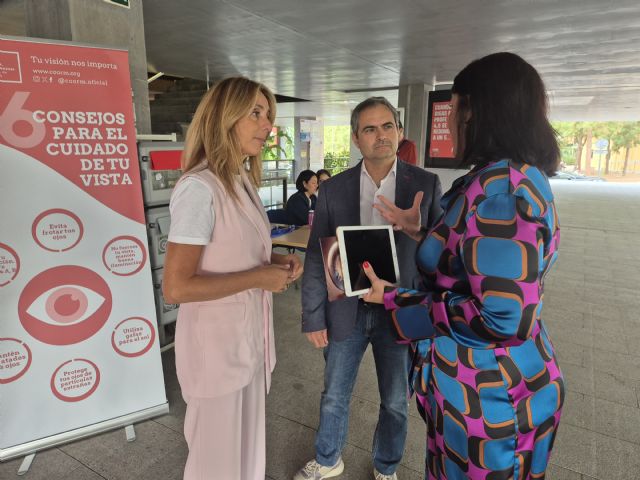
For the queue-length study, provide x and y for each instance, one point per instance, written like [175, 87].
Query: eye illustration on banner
[64, 305]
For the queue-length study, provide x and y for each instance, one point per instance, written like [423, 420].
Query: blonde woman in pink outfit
[221, 270]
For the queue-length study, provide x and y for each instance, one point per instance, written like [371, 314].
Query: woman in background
[488, 383]
[323, 175]
[221, 270]
[299, 204]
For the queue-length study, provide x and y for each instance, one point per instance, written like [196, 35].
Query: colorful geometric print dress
[486, 377]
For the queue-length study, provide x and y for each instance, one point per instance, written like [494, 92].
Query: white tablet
[373, 244]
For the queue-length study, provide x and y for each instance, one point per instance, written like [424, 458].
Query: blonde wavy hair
[211, 137]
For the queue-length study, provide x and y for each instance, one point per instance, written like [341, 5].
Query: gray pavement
[591, 309]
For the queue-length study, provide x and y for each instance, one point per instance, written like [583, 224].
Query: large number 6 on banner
[14, 113]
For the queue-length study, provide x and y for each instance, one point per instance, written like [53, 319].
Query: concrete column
[102, 24]
[301, 150]
[413, 98]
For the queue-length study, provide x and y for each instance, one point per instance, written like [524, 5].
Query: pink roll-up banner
[79, 350]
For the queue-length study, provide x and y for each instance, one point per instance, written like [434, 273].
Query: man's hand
[318, 339]
[407, 221]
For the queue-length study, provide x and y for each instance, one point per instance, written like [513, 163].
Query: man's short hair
[368, 103]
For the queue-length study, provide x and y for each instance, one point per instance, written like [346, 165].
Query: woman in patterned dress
[486, 376]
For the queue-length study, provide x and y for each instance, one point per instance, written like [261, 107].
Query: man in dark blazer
[345, 327]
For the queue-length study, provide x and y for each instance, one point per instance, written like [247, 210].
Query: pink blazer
[220, 343]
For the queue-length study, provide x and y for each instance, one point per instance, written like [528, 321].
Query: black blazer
[339, 205]
[298, 208]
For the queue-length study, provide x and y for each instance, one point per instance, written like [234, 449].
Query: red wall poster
[440, 145]
[78, 337]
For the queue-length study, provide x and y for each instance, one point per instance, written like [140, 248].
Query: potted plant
[273, 149]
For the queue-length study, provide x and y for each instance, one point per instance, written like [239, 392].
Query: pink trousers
[226, 435]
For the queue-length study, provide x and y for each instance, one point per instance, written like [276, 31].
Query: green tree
[620, 135]
[607, 131]
[337, 138]
[566, 141]
[626, 136]
[336, 162]
[278, 145]
[337, 143]
[578, 135]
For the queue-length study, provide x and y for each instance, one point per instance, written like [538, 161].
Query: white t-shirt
[369, 192]
[192, 215]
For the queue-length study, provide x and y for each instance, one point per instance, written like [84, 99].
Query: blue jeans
[343, 358]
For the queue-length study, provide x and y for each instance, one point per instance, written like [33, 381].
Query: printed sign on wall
[78, 339]
[440, 145]
[439, 152]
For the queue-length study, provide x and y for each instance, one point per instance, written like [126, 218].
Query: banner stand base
[126, 421]
[26, 464]
[130, 432]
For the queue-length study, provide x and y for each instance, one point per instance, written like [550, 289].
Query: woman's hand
[407, 221]
[376, 292]
[294, 262]
[274, 277]
[182, 283]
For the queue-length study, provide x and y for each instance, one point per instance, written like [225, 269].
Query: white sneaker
[381, 476]
[314, 471]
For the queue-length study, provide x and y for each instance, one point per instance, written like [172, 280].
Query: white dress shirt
[369, 192]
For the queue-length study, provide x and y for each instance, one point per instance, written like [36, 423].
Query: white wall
[447, 176]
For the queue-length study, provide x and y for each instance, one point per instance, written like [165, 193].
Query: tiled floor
[592, 309]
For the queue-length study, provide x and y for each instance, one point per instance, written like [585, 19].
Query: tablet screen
[373, 246]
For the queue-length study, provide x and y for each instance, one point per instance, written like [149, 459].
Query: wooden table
[295, 239]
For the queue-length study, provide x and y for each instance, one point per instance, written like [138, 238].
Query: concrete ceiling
[588, 51]
[336, 52]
